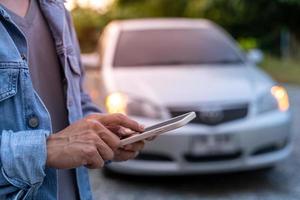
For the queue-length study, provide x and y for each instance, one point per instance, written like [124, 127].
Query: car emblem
[211, 116]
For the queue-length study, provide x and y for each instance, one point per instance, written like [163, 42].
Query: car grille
[216, 116]
[153, 157]
[212, 158]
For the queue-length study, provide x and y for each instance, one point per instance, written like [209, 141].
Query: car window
[174, 47]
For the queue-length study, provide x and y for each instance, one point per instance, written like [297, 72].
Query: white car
[155, 69]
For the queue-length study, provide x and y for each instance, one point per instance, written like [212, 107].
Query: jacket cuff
[23, 157]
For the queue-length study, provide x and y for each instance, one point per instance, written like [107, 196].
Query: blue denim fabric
[25, 123]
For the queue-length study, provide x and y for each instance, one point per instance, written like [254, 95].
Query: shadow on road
[204, 184]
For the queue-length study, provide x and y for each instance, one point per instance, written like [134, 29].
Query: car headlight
[275, 99]
[282, 98]
[121, 103]
[116, 103]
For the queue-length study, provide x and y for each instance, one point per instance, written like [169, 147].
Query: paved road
[282, 183]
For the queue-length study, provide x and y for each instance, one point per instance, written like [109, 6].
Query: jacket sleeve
[88, 106]
[23, 159]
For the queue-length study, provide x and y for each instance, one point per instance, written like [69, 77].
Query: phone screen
[160, 128]
[162, 124]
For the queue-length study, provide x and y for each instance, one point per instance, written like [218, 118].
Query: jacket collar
[52, 10]
[6, 16]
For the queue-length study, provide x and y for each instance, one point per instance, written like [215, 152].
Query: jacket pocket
[8, 83]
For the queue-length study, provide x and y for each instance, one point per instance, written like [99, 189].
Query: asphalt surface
[281, 183]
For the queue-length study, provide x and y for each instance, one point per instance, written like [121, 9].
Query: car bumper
[261, 141]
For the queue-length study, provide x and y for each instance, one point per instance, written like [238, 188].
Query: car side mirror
[255, 56]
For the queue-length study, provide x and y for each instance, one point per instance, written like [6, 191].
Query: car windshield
[174, 47]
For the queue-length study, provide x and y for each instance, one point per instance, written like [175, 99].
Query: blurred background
[271, 28]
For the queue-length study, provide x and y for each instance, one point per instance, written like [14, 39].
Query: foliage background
[254, 23]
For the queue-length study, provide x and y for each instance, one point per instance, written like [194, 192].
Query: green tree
[124, 9]
[89, 24]
[260, 20]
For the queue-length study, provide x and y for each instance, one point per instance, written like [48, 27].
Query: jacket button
[23, 56]
[33, 122]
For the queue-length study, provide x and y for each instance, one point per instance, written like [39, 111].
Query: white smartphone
[160, 128]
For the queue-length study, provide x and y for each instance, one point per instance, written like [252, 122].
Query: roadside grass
[284, 71]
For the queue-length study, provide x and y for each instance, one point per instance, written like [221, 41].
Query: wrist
[54, 141]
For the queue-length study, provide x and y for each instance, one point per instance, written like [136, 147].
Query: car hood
[187, 85]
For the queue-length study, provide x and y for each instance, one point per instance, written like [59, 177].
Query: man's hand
[123, 127]
[119, 124]
[87, 142]
[129, 151]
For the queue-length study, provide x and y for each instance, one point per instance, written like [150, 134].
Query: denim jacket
[25, 123]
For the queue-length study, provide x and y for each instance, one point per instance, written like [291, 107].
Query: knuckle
[105, 134]
[96, 138]
[89, 133]
[89, 124]
[90, 151]
[87, 137]
[102, 134]
[120, 116]
[93, 125]
[93, 136]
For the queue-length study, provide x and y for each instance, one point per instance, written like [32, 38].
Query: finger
[95, 161]
[122, 120]
[104, 150]
[124, 155]
[125, 132]
[115, 129]
[138, 146]
[106, 135]
[121, 131]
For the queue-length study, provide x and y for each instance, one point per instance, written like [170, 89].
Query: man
[48, 124]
